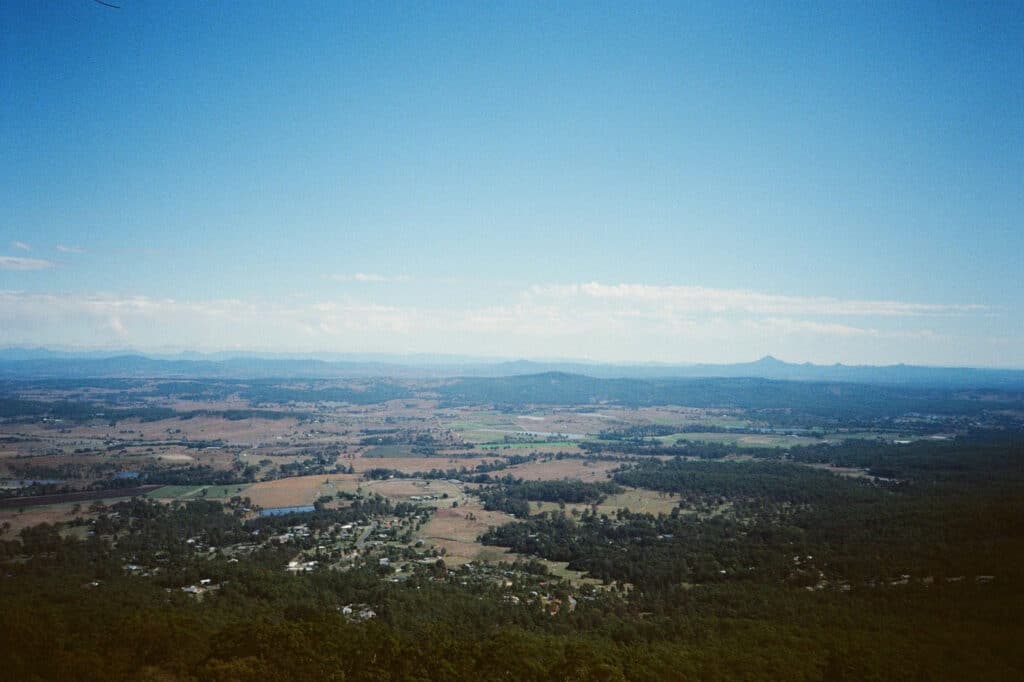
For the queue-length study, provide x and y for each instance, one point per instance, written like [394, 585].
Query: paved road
[83, 496]
[366, 533]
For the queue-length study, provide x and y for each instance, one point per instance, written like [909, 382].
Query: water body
[279, 511]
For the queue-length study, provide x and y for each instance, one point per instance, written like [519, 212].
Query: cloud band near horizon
[624, 322]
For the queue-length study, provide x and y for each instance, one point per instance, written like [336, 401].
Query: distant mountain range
[44, 363]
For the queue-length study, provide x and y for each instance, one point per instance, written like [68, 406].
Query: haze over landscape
[611, 341]
[631, 183]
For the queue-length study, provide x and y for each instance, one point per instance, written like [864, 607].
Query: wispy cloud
[615, 324]
[696, 299]
[370, 277]
[63, 248]
[786, 326]
[20, 263]
[88, 319]
[21, 246]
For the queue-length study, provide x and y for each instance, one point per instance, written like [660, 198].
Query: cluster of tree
[77, 411]
[984, 457]
[955, 515]
[62, 471]
[758, 482]
[16, 409]
[366, 392]
[397, 437]
[478, 474]
[35, 488]
[68, 477]
[652, 552]
[655, 448]
[199, 474]
[639, 432]
[320, 463]
[514, 496]
[192, 390]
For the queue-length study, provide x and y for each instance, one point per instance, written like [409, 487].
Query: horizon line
[455, 359]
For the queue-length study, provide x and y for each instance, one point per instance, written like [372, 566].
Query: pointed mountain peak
[770, 360]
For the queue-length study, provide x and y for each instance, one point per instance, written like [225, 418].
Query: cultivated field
[51, 513]
[245, 431]
[191, 492]
[301, 490]
[633, 499]
[757, 440]
[404, 489]
[457, 530]
[31, 516]
[587, 470]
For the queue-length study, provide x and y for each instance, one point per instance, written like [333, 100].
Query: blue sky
[705, 182]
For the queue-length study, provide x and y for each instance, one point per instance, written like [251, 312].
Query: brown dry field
[301, 490]
[451, 529]
[245, 431]
[634, 499]
[197, 428]
[54, 445]
[54, 513]
[401, 489]
[133, 459]
[51, 513]
[583, 469]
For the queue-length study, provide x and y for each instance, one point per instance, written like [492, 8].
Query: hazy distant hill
[37, 362]
[818, 398]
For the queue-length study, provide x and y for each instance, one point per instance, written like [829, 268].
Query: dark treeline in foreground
[765, 570]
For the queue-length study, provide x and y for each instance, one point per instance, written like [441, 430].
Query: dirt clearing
[586, 470]
[301, 490]
[457, 530]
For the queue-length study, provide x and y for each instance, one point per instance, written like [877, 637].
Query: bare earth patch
[247, 431]
[634, 499]
[404, 489]
[457, 530]
[53, 513]
[301, 490]
[172, 457]
[582, 469]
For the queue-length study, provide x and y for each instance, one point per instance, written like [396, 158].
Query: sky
[621, 182]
